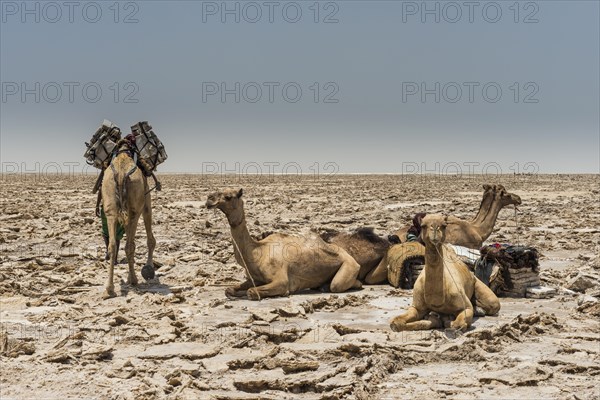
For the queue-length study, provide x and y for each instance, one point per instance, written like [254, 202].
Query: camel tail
[121, 194]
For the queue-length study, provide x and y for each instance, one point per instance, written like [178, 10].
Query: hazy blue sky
[372, 61]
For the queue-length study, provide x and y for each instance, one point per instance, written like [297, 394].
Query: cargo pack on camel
[148, 150]
[147, 145]
[102, 145]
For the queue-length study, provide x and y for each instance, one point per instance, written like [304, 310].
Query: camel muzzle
[516, 199]
[435, 241]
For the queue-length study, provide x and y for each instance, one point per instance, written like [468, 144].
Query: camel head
[126, 144]
[230, 202]
[433, 229]
[505, 197]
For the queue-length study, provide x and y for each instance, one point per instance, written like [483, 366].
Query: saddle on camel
[142, 145]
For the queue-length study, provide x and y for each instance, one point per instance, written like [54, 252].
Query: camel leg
[379, 274]
[130, 247]
[486, 299]
[463, 320]
[412, 320]
[148, 270]
[278, 287]
[239, 290]
[112, 251]
[345, 277]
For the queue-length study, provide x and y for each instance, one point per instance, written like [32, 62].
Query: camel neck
[240, 230]
[434, 273]
[484, 208]
[434, 256]
[241, 236]
[489, 220]
[236, 217]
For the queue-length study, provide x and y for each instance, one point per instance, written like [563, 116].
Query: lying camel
[367, 248]
[125, 197]
[473, 233]
[445, 286]
[281, 264]
[371, 251]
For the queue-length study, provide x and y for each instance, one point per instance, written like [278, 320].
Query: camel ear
[445, 219]
[240, 193]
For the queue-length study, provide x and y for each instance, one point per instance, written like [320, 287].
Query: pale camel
[125, 197]
[445, 286]
[473, 233]
[281, 264]
[367, 248]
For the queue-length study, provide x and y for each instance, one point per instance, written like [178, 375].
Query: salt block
[540, 292]
[186, 350]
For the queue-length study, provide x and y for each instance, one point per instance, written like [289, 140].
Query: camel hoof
[253, 294]
[458, 327]
[108, 294]
[230, 292]
[148, 272]
[132, 281]
[396, 326]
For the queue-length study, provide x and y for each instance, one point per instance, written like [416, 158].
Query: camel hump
[360, 237]
[279, 235]
[329, 235]
[454, 220]
[368, 234]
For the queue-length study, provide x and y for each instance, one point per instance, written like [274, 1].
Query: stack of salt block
[521, 279]
[516, 272]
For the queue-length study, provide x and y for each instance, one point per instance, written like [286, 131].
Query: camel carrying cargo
[150, 150]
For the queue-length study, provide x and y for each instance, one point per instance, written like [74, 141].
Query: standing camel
[125, 196]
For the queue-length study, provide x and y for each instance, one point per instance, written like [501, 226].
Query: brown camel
[473, 233]
[281, 264]
[446, 286]
[371, 253]
[125, 196]
[367, 248]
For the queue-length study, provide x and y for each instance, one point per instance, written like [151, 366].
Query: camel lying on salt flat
[281, 264]
[473, 233]
[445, 286]
[459, 232]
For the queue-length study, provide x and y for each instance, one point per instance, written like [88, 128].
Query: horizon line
[82, 173]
